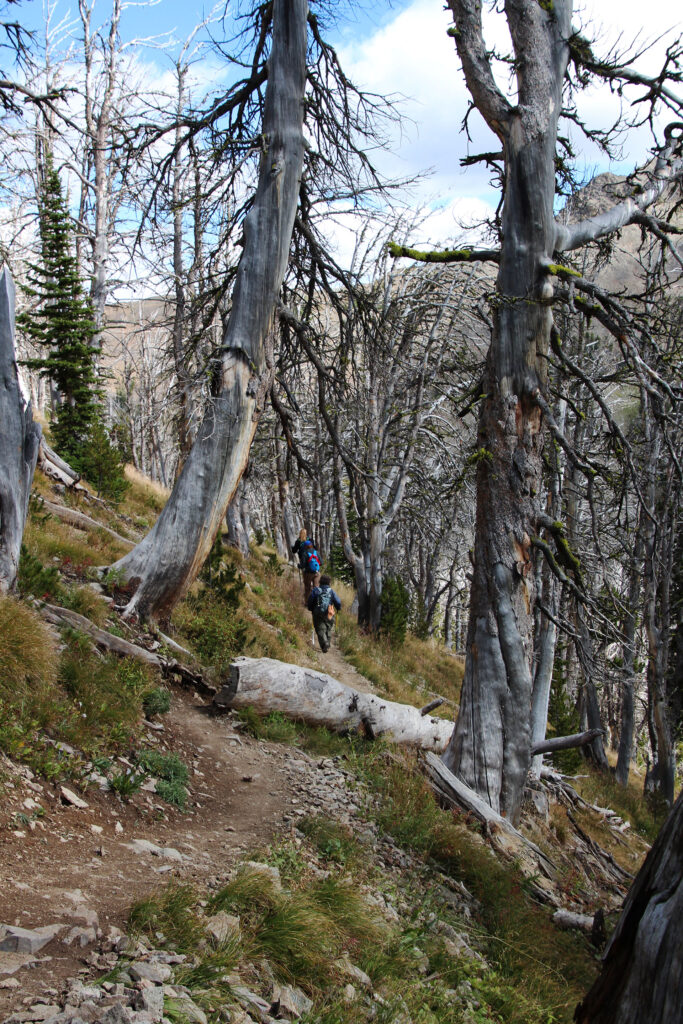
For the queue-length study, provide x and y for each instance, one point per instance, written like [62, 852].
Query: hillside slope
[379, 905]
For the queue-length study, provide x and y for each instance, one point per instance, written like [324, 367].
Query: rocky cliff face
[619, 264]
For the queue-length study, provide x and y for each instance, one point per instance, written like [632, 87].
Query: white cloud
[412, 55]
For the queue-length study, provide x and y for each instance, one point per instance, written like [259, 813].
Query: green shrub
[216, 634]
[163, 766]
[127, 782]
[339, 567]
[100, 462]
[563, 720]
[395, 609]
[156, 701]
[222, 578]
[173, 792]
[171, 773]
[38, 580]
[272, 565]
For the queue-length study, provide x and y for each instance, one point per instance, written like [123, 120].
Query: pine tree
[61, 322]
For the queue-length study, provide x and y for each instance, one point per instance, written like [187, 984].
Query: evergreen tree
[61, 322]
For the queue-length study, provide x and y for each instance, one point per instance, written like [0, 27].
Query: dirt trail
[75, 860]
[333, 663]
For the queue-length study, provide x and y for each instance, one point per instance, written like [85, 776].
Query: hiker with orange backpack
[324, 604]
[309, 562]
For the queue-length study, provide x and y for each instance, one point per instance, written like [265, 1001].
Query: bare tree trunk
[627, 717]
[656, 618]
[642, 969]
[589, 705]
[236, 534]
[19, 442]
[543, 675]
[166, 562]
[490, 748]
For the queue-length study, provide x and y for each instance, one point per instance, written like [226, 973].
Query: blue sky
[402, 48]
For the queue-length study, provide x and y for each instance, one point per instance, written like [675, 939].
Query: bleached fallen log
[57, 462]
[117, 644]
[577, 739]
[57, 469]
[566, 919]
[74, 517]
[319, 699]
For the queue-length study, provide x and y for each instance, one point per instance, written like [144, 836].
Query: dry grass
[57, 543]
[145, 495]
[28, 651]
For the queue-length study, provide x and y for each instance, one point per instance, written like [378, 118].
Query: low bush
[156, 701]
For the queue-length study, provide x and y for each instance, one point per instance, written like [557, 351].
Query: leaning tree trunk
[165, 563]
[19, 442]
[642, 975]
[490, 748]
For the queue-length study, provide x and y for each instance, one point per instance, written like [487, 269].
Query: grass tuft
[170, 918]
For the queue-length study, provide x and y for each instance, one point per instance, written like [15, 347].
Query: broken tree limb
[504, 837]
[78, 519]
[577, 739]
[124, 648]
[432, 706]
[317, 698]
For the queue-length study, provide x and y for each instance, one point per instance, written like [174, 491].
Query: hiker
[324, 604]
[309, 562]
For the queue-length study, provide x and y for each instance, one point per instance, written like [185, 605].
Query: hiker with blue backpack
[309, 562]
[324, 604]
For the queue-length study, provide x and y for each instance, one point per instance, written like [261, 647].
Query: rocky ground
[73, 869]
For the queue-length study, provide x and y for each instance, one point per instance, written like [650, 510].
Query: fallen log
[319, 699]
[73, 517]
[57, 469]
[577, 739]
[124, 648]
[504, 837]
[567, 919]
[50, 456]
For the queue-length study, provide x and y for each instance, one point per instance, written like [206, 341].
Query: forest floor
[76, 870]
[80, 859]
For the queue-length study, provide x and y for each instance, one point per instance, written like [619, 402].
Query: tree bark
[490, 748]
[166, 562]
[642, 974]
[269, 685]
[19, 442]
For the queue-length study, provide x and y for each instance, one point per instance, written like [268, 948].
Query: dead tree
[19, 442]
[163, 565]
[643, 966]
[490, 748]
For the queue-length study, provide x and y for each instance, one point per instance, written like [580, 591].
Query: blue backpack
[312, 560]
[309, 559]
